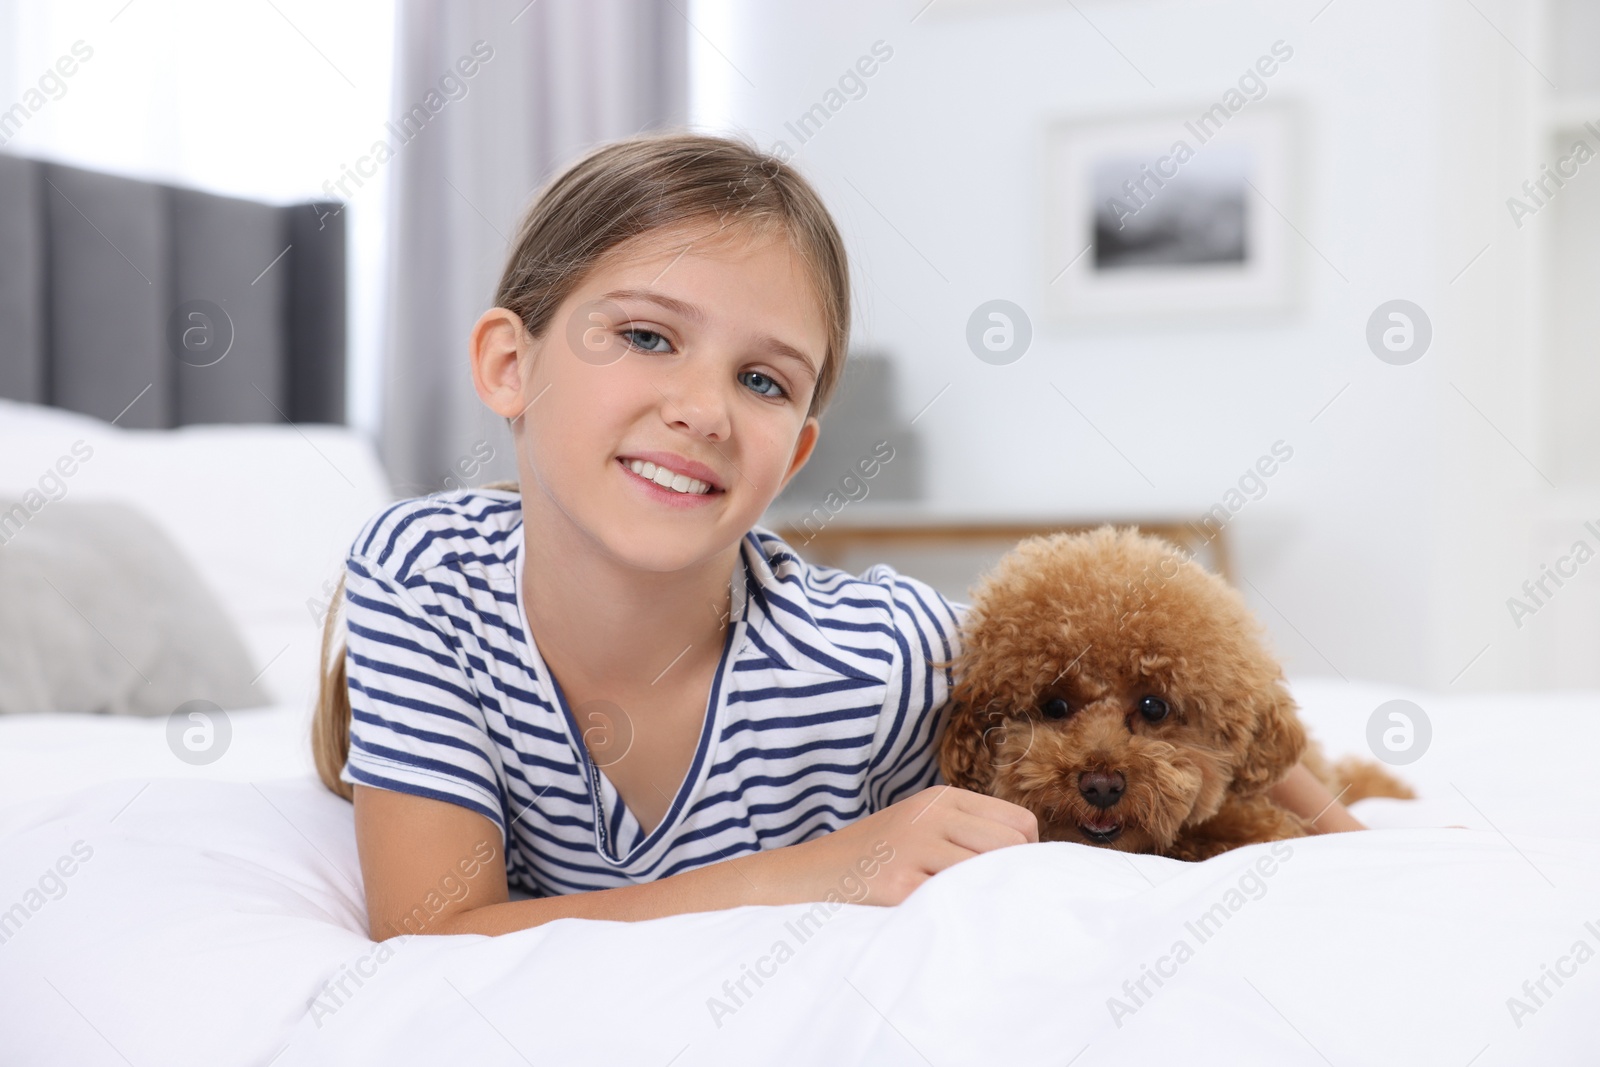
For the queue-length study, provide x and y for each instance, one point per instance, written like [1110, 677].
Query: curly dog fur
[1126, 696]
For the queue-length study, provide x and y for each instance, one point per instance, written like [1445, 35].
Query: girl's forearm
[756, 878]
[1308, 798]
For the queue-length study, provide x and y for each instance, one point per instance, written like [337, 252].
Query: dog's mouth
[1102, 829]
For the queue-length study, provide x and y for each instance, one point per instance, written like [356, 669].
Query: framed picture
[1172, 215]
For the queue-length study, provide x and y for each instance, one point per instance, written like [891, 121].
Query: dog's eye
[1055, 708]
[1154, 709]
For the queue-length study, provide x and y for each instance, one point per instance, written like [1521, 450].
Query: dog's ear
[964, 756]
[1275, 745]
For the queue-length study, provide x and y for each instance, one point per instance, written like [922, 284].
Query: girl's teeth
[681, 483]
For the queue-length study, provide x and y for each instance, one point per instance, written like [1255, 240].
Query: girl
[606, 686]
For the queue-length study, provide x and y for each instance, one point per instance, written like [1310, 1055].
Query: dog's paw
[1251, 821]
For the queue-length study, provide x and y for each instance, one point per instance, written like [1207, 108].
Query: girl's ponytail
[330, 720]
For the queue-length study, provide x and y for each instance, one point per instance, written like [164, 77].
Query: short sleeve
[926, 627]
[416, 723]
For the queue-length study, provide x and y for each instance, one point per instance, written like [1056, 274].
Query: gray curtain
[549, 79]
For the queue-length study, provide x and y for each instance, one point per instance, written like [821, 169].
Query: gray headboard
[203, 308]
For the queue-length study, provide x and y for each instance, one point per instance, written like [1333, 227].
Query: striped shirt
[825, 706]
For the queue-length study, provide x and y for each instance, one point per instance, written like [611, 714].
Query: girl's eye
[764, 379]
[652, 341]
[645, 340]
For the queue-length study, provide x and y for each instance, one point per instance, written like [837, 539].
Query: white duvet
[219, 922]
[155, 913]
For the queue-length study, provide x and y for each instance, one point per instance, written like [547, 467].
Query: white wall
[1414, 505]
[1386, 547]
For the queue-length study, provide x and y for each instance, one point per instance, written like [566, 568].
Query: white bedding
[207, 906]
[211, 913]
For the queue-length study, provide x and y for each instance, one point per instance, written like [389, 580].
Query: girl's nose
[697, 397]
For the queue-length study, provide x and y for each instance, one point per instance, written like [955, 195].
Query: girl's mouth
[678, 490]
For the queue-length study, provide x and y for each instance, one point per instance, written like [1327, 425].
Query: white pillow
[100, 612]
[265, 513]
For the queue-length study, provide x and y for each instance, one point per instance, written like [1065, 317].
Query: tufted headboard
[158, 306]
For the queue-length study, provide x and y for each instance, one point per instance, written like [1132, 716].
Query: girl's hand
[1308, 798]
[882, 858]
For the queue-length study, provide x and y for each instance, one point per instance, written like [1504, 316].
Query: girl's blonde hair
[617, 192]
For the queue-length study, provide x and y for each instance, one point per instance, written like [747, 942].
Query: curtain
[491, 100]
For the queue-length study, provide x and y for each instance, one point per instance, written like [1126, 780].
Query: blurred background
[1312, 282]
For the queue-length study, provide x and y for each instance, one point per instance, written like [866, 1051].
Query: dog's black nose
[1102, 790]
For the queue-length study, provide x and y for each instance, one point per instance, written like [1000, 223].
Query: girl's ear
[803, 447]
[498, 343]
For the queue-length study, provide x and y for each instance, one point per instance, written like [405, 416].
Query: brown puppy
[1125, 695]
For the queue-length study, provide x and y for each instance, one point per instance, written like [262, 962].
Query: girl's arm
[432, 867]
[1308, 798]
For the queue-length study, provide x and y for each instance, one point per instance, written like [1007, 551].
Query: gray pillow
[101, 612]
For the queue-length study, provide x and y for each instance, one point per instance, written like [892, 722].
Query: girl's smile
[670, 482]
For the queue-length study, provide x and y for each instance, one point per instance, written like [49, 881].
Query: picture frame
[1183, 213]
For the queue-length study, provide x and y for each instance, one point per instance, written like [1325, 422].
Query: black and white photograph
[1195, 217]
[1173, 215]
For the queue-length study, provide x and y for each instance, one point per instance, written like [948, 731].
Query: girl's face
[691, 350]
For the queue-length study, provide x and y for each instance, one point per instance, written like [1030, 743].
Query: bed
[214, 914]
[160, 911]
